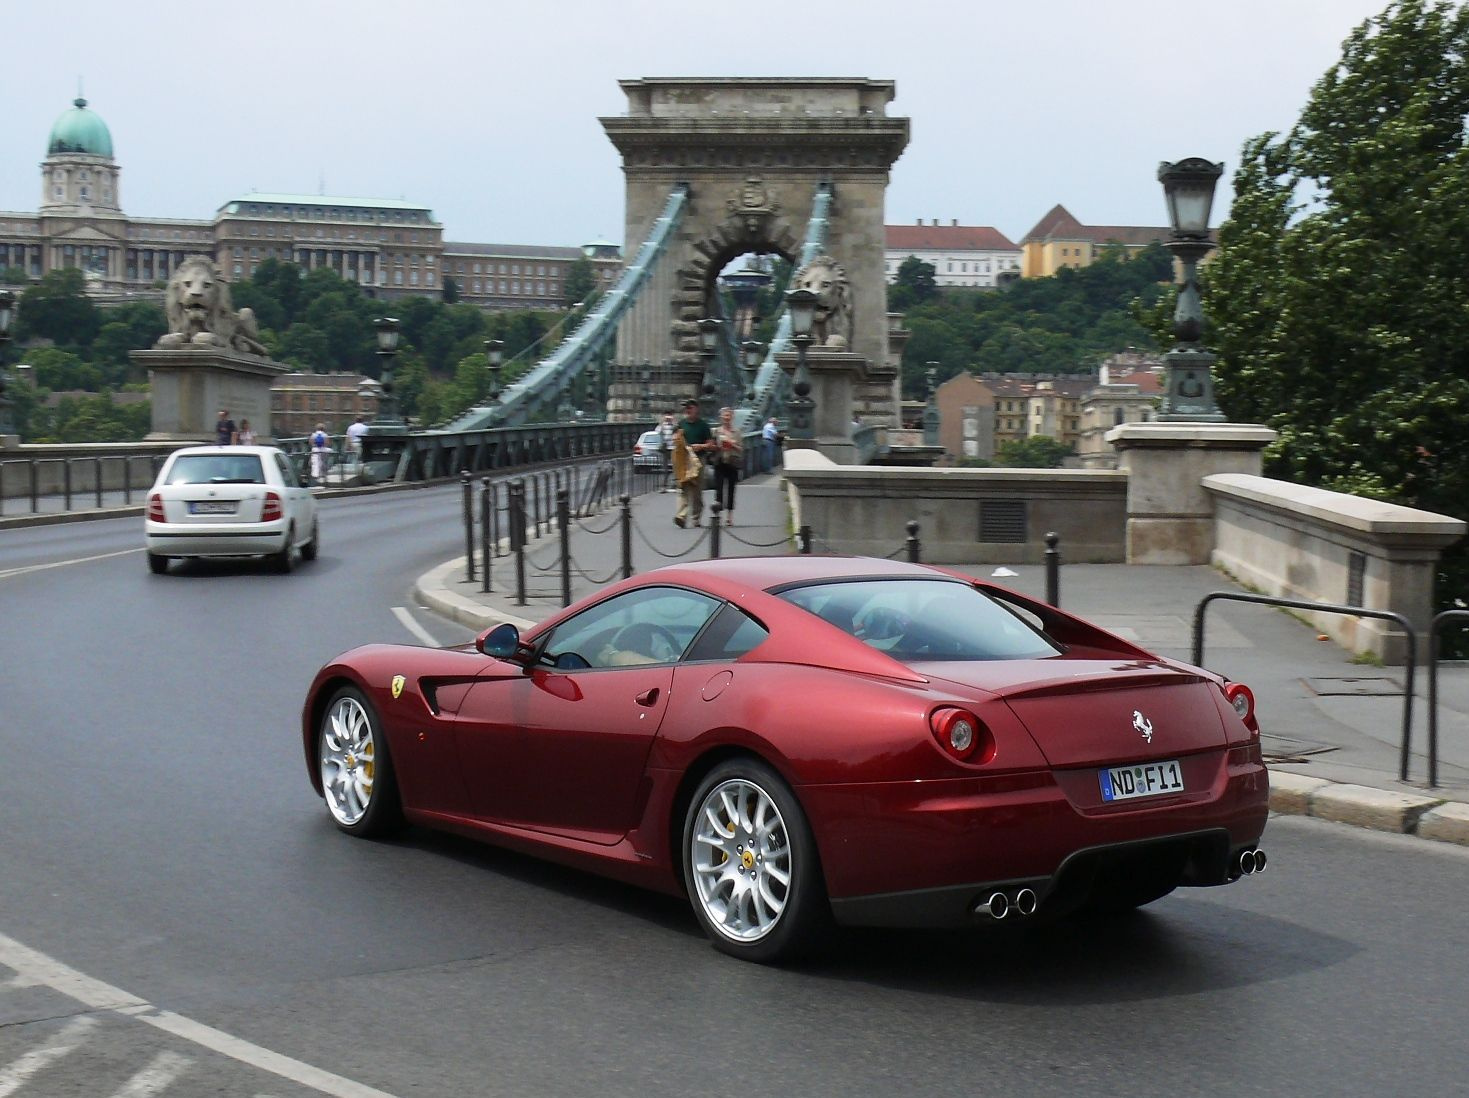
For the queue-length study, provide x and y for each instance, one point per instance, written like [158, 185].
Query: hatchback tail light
[271, 511]
[962, 735]
[155, 508]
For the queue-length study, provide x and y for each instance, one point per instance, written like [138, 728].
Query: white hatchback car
[230, 501]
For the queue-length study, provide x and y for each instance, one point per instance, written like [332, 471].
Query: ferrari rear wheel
[356, 772]
[750, 865]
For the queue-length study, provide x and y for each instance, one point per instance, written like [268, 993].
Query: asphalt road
[178, 916]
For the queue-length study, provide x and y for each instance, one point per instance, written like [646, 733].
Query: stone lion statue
[827, 279]
[199, 312]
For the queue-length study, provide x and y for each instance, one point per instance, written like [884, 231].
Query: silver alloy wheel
[740, 854]
[348, 760]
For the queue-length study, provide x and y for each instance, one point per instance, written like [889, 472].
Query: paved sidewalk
[1332, 729]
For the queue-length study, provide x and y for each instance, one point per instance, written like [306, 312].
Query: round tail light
[962, 735]
[1241, 700]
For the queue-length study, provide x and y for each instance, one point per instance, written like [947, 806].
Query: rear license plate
[1124, 783]
[211, 507]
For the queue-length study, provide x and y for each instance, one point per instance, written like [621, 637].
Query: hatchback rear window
[917, 620]
[217, 469]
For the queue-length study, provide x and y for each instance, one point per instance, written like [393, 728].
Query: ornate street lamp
[710, 329]
[7, 317]
[494, 357]
[1188, 392]
[801, 307]
[754, 352]
[931, 409]
[387, 348]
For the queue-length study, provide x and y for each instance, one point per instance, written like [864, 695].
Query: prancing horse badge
[398, 681]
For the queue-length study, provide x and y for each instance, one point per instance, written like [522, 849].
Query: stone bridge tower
[753, 152]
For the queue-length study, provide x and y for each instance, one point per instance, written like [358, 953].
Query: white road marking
[160, 1072]
[413, 627]
[27, 569]
[14, 1075]
[52, 973]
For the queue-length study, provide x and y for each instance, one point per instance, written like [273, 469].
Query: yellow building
[1059, 240]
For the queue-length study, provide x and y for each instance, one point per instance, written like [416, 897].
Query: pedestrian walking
[729, 456]
[355, 430]
[320, 453]
[224, 429]
[691, 442]
[771, 434]
[666, 431]
[245, 436]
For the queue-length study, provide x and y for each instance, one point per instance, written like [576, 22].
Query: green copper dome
[80, 131]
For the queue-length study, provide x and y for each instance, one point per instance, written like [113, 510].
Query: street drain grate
[1372, 687]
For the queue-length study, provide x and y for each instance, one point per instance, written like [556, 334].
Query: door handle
[648, 697]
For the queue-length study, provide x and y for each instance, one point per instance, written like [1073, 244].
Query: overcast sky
[487, 111]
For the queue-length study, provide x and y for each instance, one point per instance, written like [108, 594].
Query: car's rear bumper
[917, 853]
[177, 539]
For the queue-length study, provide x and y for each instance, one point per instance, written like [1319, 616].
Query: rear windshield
[916, 620]
[217, 469]
[650, 438]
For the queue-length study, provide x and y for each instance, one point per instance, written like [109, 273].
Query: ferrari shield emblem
[398, 681]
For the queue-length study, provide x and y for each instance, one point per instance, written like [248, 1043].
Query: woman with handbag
[729, 457]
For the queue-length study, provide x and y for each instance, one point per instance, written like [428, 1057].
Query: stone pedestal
[1170, 517]
[189, 385]
[836, 378]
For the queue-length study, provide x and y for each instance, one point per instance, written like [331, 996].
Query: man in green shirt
[691, 441]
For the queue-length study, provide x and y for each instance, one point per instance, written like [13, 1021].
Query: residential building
[516, 276]
[298, 402]
[1127, 390]
[961, 255]
[1060, 240]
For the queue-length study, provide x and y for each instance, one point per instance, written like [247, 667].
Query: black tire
[803, 917]
[339, 739]
[309, 550]
[157, 564]
[285, 560]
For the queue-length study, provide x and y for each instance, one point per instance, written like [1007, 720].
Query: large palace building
[390, 248]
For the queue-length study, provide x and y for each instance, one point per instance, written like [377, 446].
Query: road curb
[1391, 810]
[434, 589]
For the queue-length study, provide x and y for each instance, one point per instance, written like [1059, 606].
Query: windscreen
[217, 469]
[917, 620]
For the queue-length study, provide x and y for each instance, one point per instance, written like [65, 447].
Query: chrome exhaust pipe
[1025, 902]
[1248, 861]
[996, 907]
[1259, 861]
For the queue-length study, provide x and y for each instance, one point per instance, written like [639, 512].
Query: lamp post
[7, 316]
[387, 347]
[801, 306]
[494, 357]
[754, 355]
[709, 332]
[1188, 391]
[931, 409]
[646, 376]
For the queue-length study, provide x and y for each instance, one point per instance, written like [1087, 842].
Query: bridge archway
[753, 153]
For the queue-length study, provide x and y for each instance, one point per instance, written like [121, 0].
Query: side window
[730, 635]
[288, 475]
[649, 625]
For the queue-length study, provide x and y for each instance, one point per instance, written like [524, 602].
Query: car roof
[764, 573]
[261, 450]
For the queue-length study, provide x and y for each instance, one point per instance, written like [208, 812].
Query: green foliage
[13, 276]
[451, 290]
[913, 284]
[1064, 324]
[57, 308]
[1338, 295]
[1035, 452]
[580, 282]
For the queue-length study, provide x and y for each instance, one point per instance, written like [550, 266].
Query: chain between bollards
[1053, 570]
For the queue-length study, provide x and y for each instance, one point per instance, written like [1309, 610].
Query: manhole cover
[1354, 687]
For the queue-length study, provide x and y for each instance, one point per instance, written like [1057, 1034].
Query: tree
[451, 290]
[913, 284]
[1337, 297]
[57, 308]
[1035, 452]
[580, 281]
[13, 276]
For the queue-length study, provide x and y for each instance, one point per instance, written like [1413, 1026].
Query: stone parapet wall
[87, 461]
[965, 516]
[1306, 543]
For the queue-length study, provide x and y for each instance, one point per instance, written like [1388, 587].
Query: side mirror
[502, 642]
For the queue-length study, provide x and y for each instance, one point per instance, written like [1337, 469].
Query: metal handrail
[1326, 608]
[1433, 628]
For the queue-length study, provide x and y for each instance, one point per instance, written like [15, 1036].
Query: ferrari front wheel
[750, 865]
[356, 773]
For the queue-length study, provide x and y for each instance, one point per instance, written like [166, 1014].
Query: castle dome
[80, 131]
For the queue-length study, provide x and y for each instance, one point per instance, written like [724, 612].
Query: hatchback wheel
[310, 549]
[284, 560]
[356, 772]
[157, 564]
[750, 865]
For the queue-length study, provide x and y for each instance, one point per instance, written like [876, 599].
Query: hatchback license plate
[1124, 783]
[212, 507]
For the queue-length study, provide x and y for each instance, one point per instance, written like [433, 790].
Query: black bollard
[486, 517]
[1053, 570]
[913, 547]
[563, 521]
[803, 540]
[517, 536]
[714, 531]
[626, 536]
[466, 479]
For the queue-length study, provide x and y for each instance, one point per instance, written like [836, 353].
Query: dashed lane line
[27, 569]
[49, 972]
